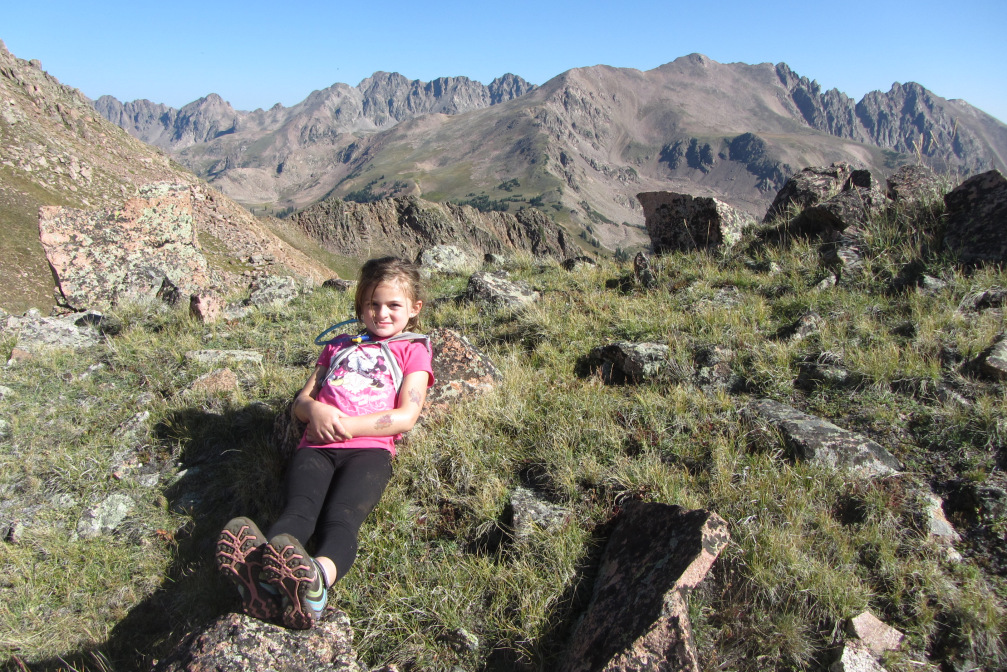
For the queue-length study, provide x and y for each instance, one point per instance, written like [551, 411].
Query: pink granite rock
[102, 257]
[638, 618]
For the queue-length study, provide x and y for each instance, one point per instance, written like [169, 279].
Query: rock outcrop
[406, 226]
[821, 442]
[624, 362]
[237, 643]
[680, 222]
[494, 289]
[638, 618]
[977, 219]
[103, 258]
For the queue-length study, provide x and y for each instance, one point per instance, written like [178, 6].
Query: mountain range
[581, 146]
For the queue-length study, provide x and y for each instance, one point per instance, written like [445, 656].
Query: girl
[355, 409]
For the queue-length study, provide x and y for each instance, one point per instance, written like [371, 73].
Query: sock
[322, 574]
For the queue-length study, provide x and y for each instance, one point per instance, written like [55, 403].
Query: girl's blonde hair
[389, 269]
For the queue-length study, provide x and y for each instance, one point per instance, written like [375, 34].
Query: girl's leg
[356, 489]
[308, 479]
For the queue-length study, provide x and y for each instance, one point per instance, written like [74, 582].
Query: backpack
[361, 341]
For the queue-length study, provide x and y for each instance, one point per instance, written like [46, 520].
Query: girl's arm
[324, 421]
[397, 420]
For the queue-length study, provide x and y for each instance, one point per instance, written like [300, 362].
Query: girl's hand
[324, 425]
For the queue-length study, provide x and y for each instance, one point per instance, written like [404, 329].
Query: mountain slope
[55, 149]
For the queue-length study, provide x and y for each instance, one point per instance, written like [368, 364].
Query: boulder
[821, 442]
[713, 369]
[993, 361]
[340, 285]
[35, 333]
[460, 369]
[218, 381]
[809, 187]
[205, 307]
[496, 290]
[912, 185]
[273, 290]
[532, 513]
[577, 263]
[680, 222]
[625, 362]
[875, 634]
[236, 643]
[638, 617]
[856, 657]
[100, 258]
[446, 259]
[976, 212]
[224, 357]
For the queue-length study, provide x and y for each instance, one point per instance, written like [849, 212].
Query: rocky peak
[378, 102]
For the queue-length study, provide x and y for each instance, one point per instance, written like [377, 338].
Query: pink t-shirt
[362, 384]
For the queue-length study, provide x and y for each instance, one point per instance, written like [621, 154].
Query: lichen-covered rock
[821, 442]
[445, 259]
[460, 369]
[913, 184]
[35, 333]
[103, 518]
[681, 222]
[100, 258]
[224, 357]
[405, 225]
[625, 362]
[532, 513]
[205, 307]
[976, 212]
[238, 643]
[496, 290]
[273, 290]
[809, 187]
[638, 618]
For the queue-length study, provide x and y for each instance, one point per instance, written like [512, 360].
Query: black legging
[329, 494]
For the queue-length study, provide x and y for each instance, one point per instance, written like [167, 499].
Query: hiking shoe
[298, 580]
[239, 558]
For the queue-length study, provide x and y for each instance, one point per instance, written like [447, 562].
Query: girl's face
[388, 310]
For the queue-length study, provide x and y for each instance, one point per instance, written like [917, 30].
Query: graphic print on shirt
[363, 381]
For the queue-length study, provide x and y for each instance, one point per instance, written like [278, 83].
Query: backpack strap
[393, 364]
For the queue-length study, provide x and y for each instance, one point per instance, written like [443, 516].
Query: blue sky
[255, 54]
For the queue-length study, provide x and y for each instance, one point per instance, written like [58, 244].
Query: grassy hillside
[810, 546]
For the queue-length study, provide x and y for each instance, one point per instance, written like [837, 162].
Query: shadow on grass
[228, 468]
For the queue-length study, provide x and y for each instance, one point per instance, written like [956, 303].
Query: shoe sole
[239, 558]
[288, 567]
